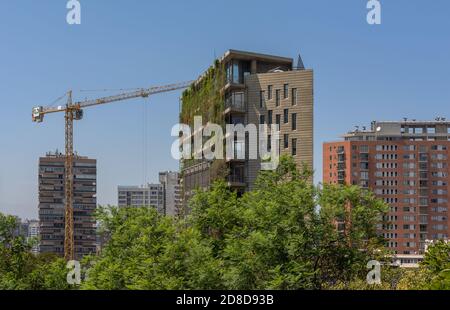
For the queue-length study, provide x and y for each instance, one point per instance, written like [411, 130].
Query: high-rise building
[172, 192]
[406, 164]
[33, 233]
[249, 88]
[28, 229]
[51, 204]
[21, 229]
[150, 195]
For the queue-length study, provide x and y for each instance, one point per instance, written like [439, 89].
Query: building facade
[32, 229]
[172, 192]
[142, 196]
[256, 89]
[405, 164]
[51, 204]
[165, 196]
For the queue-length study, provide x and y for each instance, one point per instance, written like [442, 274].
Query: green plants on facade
[205, 98]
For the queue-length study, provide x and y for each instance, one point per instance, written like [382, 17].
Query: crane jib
[74, 111]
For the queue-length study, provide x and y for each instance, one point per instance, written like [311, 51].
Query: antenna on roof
[300, 65]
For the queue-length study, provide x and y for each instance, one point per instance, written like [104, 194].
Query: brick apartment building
[405, 164]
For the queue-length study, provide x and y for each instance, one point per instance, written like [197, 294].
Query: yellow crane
[74, 111]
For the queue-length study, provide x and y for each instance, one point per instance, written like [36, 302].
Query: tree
[281, 235]
[437, 262]
[147, 250]
[20, 269]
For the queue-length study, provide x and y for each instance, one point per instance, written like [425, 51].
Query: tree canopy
[284, 234]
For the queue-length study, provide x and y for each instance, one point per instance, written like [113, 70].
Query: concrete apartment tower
[172, 192]
[51, 204]
[405, 164]
[142, 196]
[165, 197]
[249, 88]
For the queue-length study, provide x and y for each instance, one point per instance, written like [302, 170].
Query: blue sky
[362, 73]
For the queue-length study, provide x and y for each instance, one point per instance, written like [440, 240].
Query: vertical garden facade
[248, 88]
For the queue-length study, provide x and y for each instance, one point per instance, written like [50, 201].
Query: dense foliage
[20, 269]
[286, 234]
[274, 237]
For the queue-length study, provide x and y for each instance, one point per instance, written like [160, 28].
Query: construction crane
[74, 111]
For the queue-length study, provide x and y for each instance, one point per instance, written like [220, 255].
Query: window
[364, 148]
[364, 175]
[431, 130]
[269, 92]
[269, 117]
[229, 71]
[235, 99]
[262, 98]
[278, 119]
[438, 147]
[286, 141]
[423, 148]
[409, 147]
[277, 94]
[235, 72]
[286, 116]
[294, 121]
[285, 91]
[294, 147]
[262, 119]
[294, 96]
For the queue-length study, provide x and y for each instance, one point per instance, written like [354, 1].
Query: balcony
[235, 103]
[236, 181]
[237, 176]
[364, 157]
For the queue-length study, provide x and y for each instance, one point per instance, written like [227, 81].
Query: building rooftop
[405, 128]
[244, 55]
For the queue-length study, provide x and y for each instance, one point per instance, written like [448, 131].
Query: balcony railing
[236, 178]
[235, 102]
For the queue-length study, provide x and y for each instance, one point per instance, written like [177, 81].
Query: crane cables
[108, 90]
[145, 150]
[54, 102]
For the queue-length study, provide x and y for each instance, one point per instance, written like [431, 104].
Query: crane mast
[69, 244]
[74, 111]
